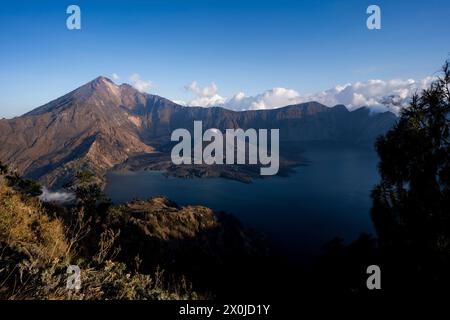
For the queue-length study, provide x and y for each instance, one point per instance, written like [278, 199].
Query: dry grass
[163, 219]
[36, 248]
[25, 227]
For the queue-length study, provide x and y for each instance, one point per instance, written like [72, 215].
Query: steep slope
[91, 127]
[310, 121]
[38, 242]
[101, 125]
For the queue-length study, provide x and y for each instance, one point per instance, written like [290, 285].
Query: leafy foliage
[411, 204]
[39, 242]
[29, 187]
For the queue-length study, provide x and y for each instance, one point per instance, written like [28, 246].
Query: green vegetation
[411, 205]
[120, 250]
[411, 213]
[28, 187]
[38, 242]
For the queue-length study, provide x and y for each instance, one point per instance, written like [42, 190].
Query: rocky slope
[121, 250]
[188, 240]
[101, 125]
[92, 127]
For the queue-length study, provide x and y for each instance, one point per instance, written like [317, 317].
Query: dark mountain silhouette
[101, 125]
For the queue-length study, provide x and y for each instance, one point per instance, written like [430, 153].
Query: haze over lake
[327, 197]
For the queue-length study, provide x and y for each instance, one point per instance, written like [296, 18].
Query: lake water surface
[329, 197]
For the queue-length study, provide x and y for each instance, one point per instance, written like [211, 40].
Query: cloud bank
[205, 96]
[140, 84]
[60, 197]
[378, 95]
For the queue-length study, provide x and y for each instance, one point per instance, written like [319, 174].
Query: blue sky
[246, 45]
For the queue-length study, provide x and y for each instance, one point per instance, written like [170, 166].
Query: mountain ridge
[101, 125]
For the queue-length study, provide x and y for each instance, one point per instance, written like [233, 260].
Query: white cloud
[59, 196]
[205, 96]
[181, 102]
[270, 99]
[378, 95]
[140, 84]
[115, 76]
